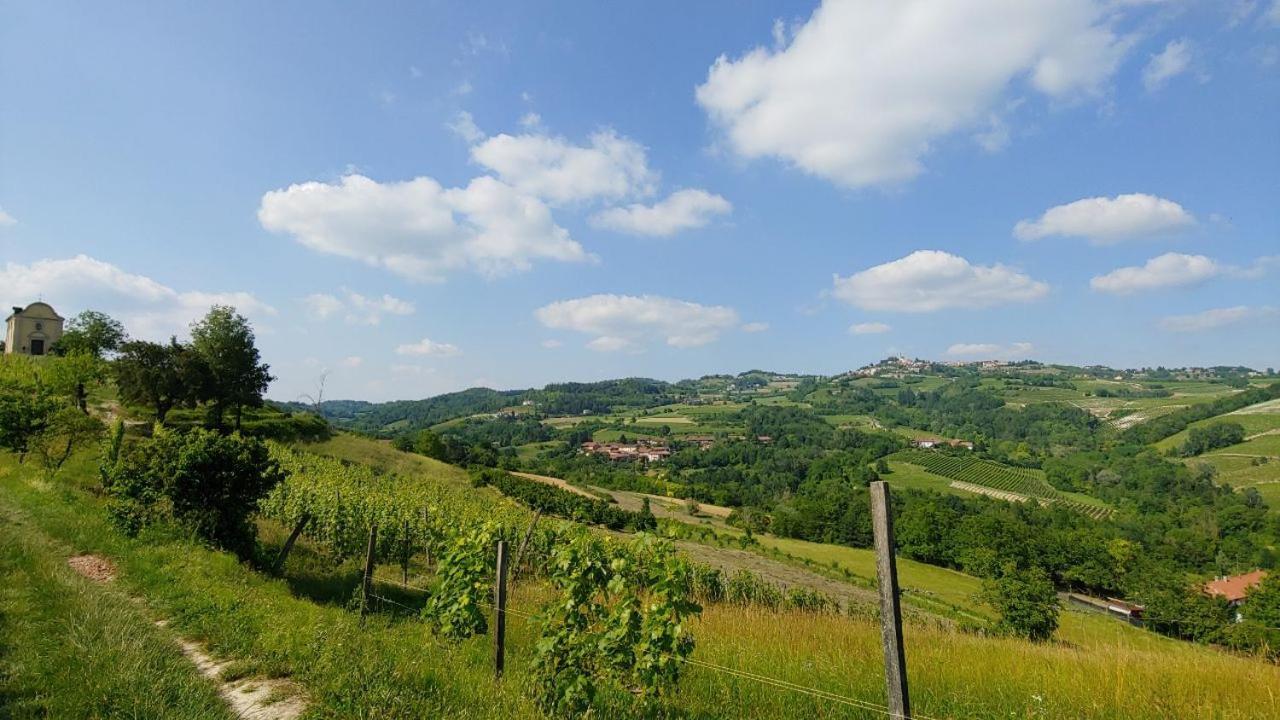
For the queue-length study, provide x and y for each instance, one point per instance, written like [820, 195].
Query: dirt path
[556, 482]
[248, 698]
[990, 492]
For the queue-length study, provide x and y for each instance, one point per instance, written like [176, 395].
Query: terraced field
[1024, 482]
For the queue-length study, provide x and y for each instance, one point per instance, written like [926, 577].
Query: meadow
[390, 666]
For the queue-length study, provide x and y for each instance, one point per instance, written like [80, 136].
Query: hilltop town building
[33, 330]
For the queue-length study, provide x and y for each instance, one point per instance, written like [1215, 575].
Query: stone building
[32, 331]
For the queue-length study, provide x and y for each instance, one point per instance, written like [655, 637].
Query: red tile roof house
[1235, 588]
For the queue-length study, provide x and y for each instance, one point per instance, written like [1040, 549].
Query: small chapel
[32, 330]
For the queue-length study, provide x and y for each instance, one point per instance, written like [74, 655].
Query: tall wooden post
[366, 587]
[500, 610]
[895, 662]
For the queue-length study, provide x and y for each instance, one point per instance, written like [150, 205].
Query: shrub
[1026, 600]
[205, 482]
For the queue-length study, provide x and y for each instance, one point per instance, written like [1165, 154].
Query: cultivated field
[1021, 482]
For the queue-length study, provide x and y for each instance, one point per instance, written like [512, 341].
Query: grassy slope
[392, 668]
[1235, 463]
[72, 649]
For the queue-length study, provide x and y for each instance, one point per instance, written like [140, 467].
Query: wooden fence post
[500, 610]
[288, 543]
[367, 583]
[895, 661]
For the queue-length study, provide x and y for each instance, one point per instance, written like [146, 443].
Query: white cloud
[610, 167]
[551, 344]
[464, 126]
[1164, 271]
[991, 351]
[682, 210]
[869, 328]
[427, 346]
[356, 308]
[148, 308]
[755, 327]
[322, 306]
[419, 229]
[860, 92]
[1108, 220]
[1215, 318]
[531, 120]
[351, 361]
[1174, 60]
[6, 220]
[626, 321]
[929, 280]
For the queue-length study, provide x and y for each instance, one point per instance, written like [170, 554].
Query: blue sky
[422, 197]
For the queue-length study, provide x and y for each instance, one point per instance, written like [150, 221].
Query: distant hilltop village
[902, 367]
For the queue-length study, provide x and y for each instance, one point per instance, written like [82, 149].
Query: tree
[205, 481]
[1026, 600]
[1262, 603]
[237, 376]
[25, 404]
[71, 375]
[65, 432]
[90, 332]
[160, 376]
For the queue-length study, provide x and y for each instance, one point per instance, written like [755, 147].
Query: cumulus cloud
[621, 322]
[1164, 271]
[6, 220]
[929, 280]
[754, 327]
[1174, 60]
[991, 351]
[355, 308]
[149, 309]
[609, 167]
[869, 328]
[427, 346]
[1216, 318]
[860, 92]
[682, 210]
[1108, 220]
[419, 229]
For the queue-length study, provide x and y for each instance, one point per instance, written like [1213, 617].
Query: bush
[203, 481]
[1026, 600]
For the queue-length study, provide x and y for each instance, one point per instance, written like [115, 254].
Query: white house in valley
[33, 330]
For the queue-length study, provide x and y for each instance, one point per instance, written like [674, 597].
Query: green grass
[72, 649]
[1253, 424]
[391, 667]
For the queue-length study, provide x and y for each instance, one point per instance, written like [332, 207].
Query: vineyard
[1005, 478]
[615, 626]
